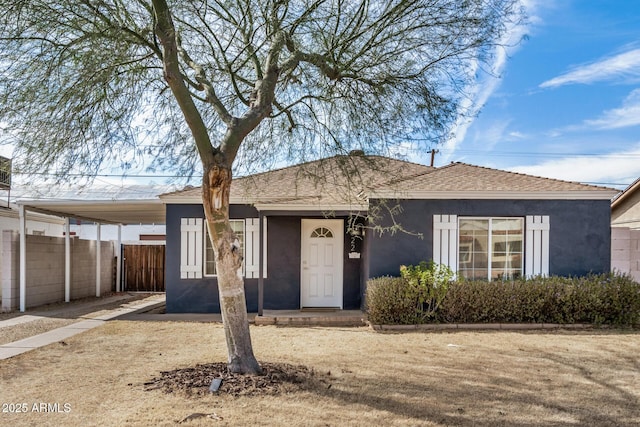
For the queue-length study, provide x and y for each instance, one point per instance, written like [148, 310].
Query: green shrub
[428, 285]
[387, 302]
[410, 299]
[597, 299]
[425, 293]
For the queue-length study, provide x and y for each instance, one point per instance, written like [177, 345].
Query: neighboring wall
[626, 211]
[625, 251]
[36, 224]
[45, 269]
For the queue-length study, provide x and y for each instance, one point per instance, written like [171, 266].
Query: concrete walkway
[90, 321]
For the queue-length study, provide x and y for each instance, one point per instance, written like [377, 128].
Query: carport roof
[143, 211]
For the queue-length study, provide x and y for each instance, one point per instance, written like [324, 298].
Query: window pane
[473, 248]
[490, 248]
[506, 259]
[237, 225]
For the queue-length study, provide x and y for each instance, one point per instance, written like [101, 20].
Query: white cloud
[516, 135]
[625, 116]
[484, 88]
[625, 66]
[621, 167]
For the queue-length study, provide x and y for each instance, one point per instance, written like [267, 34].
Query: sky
[567, 103]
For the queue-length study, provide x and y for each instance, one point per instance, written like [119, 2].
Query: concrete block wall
[83, 267]
[45, 269]
[625, 251]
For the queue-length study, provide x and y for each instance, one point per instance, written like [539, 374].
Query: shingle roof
[338, 180]
[350, 180]
[462, 177]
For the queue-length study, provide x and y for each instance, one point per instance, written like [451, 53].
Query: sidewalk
[90, 321]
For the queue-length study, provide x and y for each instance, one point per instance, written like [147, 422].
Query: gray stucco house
[314, 233]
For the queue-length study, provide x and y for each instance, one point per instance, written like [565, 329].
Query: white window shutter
[252, 248]
[445, 240]
[191, 247]
[537, 246]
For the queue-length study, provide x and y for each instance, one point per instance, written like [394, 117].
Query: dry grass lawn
[418, 378]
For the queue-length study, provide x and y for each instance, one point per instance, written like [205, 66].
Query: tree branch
[204, 82]
[167, 35]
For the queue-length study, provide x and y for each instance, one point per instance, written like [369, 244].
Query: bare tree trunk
[227, 248]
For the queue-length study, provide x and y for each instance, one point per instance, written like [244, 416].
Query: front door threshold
[320, 309]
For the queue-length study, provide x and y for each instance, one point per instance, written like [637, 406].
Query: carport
[115, 212]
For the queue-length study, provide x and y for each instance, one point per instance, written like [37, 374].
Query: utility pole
[433, 155]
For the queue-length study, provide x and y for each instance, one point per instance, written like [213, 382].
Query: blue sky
[567, 104]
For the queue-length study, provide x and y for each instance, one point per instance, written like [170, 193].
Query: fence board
[144, 268]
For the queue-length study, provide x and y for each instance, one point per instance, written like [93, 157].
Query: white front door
[321, 273]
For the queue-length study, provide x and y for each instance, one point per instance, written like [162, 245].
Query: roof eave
[315, 207]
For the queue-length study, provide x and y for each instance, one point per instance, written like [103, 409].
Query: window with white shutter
[492, 247]
[248, 232]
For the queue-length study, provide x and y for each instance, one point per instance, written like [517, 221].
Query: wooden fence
[143, 267]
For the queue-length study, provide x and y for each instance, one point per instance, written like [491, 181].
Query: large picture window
[209, 257]
[490, 248]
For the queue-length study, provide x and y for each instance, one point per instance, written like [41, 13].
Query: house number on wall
[354, 253]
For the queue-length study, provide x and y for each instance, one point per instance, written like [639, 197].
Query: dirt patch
[277, 378]
[464, 378]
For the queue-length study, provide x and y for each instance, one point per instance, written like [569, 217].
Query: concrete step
[312, 318]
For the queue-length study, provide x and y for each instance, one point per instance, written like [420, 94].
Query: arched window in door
[322, 232]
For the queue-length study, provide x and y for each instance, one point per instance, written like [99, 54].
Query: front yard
[369, 378]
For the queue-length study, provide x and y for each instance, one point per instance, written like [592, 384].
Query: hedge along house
[314, 233]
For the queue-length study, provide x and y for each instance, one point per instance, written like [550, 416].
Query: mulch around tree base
[277, 378]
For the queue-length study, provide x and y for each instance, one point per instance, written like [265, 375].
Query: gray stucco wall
[579, 235]
[197, 295]
[282, 285]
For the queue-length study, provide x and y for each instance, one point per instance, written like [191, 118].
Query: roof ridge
[326, 159]
[405, 178]
[308, 162]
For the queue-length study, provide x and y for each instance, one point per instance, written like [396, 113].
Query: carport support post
[23, 258]
[119, 259]
[67, 260]
[98, 259]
